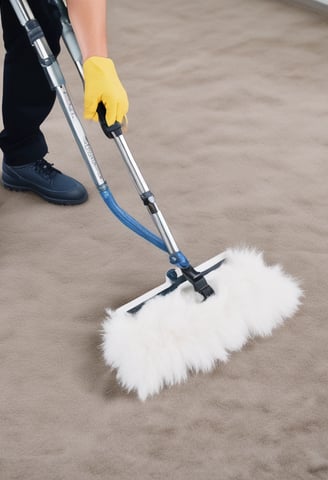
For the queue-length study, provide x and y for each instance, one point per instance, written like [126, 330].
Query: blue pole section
[177, 258]
[129, 221]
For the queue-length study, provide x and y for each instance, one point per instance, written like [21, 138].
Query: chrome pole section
[145, 194]
[57, 83]
[133, 168]
[80, 136]
[22, 10]
[69, 36]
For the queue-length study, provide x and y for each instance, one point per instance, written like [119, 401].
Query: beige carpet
[229, 123]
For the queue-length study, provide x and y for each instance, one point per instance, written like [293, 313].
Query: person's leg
[27, 97]
[27, 101]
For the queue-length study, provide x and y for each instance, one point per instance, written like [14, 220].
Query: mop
[198, 316]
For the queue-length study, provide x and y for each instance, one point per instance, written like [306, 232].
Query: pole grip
[108, 129]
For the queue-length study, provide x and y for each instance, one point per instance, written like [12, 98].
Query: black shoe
[42, 178]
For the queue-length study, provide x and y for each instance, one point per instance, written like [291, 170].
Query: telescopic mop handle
[56, 80]
[115, 132]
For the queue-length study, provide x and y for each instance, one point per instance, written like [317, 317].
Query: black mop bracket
[198, 281]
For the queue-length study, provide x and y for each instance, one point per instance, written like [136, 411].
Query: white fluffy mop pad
[174, 334]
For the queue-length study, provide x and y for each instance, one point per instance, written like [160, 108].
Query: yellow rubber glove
[101, 84]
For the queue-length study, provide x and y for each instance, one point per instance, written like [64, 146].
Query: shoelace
[45, 168]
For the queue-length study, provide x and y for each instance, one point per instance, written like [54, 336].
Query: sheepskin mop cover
[174, 334]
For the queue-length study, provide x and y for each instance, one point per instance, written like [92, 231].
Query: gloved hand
[101, 84]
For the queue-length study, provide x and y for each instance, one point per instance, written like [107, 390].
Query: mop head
[173, 335]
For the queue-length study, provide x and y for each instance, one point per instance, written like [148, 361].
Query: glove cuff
[99, 62]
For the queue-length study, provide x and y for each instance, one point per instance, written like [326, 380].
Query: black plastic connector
[148, 200]
[34, 31]
[108, 129]
[198, 281]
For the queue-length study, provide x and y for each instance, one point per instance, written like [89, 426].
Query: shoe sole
[15, 188]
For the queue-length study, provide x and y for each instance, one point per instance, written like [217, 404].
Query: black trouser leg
[27, 96]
